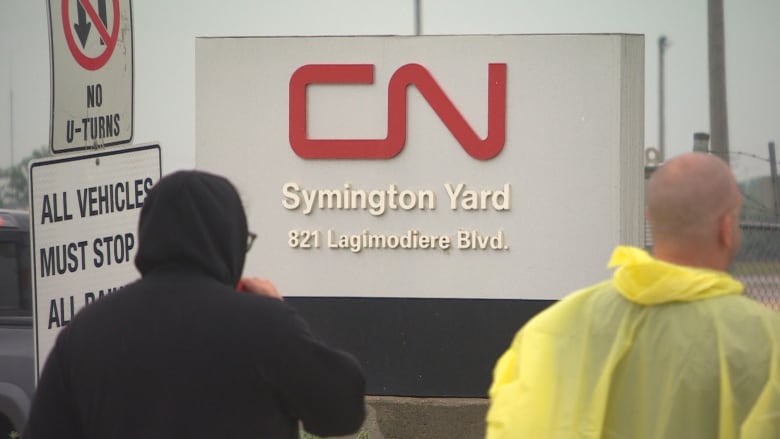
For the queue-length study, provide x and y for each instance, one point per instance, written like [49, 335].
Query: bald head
[687, 200]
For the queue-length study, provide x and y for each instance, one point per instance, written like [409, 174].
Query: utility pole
[773, 182]
[719, 123]
[417, 18]
[662, 45]
[11, 113]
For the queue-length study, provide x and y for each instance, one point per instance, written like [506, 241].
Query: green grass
[757, 267]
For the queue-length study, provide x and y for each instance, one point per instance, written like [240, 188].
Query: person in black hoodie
[180, 353]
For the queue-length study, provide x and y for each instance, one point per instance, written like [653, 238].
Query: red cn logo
[390, 146]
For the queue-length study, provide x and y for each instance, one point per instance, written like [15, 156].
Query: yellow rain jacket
[660, 351]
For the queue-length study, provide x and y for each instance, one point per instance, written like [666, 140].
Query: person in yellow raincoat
[668, 348]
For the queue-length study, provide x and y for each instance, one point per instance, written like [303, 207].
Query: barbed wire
[747, 154]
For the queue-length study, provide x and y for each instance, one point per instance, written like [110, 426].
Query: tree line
[15, 181]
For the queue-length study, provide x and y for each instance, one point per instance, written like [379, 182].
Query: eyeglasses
[250, 239]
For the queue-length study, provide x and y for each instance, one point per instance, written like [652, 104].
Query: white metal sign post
[84, 216]
[92, 73]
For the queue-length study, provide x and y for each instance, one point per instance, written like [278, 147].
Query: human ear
[726, 237]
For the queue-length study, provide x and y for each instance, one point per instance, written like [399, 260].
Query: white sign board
[92, 73]
[442, 166]
[83, 219]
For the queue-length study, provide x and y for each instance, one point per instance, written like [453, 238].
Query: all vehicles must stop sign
[92, 73]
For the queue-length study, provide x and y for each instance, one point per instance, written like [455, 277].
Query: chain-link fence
[758, 263]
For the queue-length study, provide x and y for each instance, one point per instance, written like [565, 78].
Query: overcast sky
[164, 33]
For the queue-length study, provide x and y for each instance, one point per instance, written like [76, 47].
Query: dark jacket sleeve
[324, 387]
[53, 411]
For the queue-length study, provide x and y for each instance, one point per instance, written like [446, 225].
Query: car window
[15, 275]
[9, 277]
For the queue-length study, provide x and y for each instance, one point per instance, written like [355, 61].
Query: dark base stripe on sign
[420, 347]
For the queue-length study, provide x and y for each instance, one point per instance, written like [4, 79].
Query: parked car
[17, 369]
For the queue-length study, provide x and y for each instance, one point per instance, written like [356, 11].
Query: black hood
[193, 220]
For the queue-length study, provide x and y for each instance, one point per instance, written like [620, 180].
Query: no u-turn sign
[92, 73]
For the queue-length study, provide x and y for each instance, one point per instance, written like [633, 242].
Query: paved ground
[423, 418]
